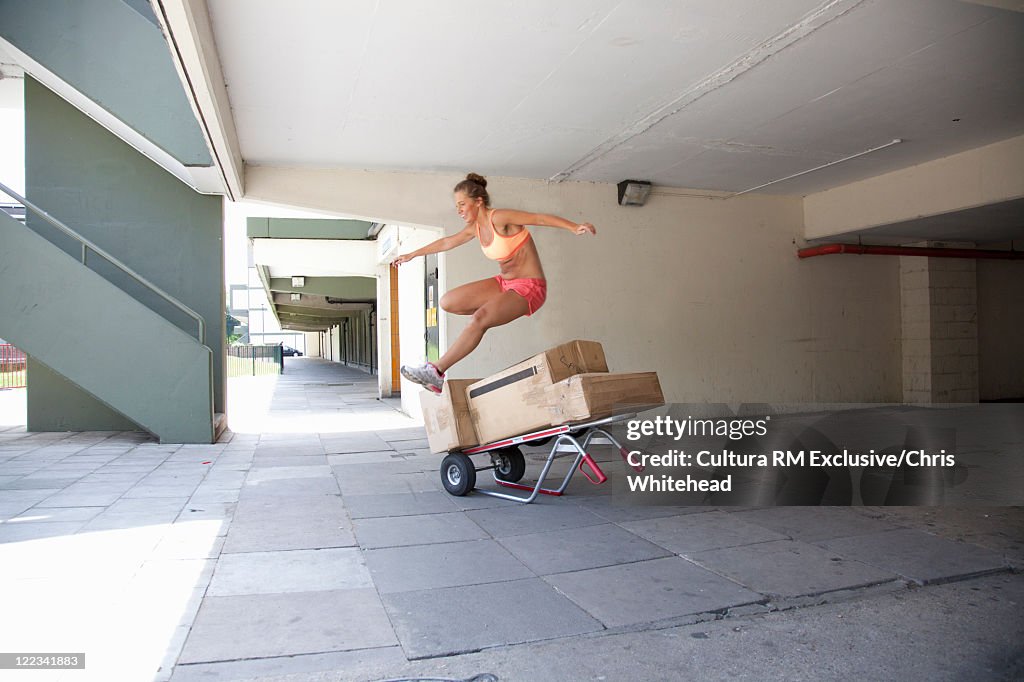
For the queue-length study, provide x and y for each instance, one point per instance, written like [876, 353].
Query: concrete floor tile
[286, 439]
[424, 567]
[290, 487]
[270, 461]
[266, 625]
[400, 531]
[473, 502]
[376, 457]
[105, 522]
[298, 507]
[606, 507]
[27, 497]
[33, 482]
[124, 505]
[537, 517]
[386, 482]
[188, 543]
[398, 504]
[374, 470]
[576, 549]
[919, 556]
[407, 443]
[699, 532]
[289, 532]
[473, 617]
[289, 571]
[815, 523]
[114, 476]
[788, 568]
[205, 496]
[365, 442]
[161, 491]
[10, 510]
[79, 500]
[285, 451]
[58, 514]
[260, 474]
[998, 529]
[223, 479]
[209, 511]
[650, 591]
[28, 531]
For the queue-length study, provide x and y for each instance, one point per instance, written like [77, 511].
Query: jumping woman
[519, 290]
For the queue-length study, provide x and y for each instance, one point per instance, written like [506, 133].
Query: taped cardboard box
[514, 401]
[586, 397]
[447, 419]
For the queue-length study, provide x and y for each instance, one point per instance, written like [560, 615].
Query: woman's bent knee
[452, 304]
[483, 319]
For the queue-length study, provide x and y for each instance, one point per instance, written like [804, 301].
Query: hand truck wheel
[458, 475]
[509, 464]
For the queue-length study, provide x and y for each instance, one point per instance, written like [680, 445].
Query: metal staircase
[66, 315]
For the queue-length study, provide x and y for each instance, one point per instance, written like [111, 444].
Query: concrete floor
[316, 543]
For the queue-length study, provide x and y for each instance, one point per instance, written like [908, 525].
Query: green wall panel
[99, 186]
[116, 55]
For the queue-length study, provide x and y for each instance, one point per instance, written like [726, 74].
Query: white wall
[336, 344]
[411, 317]
[12, 135]
[707, 292]
[1000, 332]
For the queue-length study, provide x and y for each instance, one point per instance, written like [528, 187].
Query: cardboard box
[586, 397]
[515, 401]
[447, 419]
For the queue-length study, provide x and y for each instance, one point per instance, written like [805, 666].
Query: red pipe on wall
[931, 252]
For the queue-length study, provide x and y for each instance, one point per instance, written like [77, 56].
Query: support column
[939, 306]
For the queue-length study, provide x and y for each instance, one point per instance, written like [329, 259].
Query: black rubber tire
[509, 465]
[458, 475]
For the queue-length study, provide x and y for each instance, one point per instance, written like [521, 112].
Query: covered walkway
[315, 542]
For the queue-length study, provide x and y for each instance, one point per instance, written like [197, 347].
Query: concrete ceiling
[687, 93]
[990, 224]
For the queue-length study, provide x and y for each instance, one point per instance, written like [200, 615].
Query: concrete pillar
[939, 315]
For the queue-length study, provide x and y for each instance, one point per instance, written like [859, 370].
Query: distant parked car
[288, 351]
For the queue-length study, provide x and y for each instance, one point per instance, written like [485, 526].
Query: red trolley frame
[508, 465]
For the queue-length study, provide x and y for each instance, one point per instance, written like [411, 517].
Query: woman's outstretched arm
[439, 245]
[507, 216]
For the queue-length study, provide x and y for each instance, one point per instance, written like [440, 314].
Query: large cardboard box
[596, 396]
[447, 419]
[515, 401]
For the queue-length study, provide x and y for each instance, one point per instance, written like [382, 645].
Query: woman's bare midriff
[523, 263]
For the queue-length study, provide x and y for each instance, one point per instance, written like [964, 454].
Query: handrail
[87, 245]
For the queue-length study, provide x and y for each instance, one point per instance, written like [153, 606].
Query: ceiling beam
[186, 23]
[321, 303]
[318, 312]
[360, 288]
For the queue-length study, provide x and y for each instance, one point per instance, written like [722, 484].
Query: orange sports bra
[502, 247]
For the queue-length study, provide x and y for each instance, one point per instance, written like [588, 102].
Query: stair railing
[89, 246]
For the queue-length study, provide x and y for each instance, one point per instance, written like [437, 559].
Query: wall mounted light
[298, 281]
[296, 297]
[634, 192]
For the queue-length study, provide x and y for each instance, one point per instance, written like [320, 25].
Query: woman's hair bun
[475, 187]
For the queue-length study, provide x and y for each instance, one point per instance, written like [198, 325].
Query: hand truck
[458, 473]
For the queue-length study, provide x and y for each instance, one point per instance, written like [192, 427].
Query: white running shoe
[425, 375]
